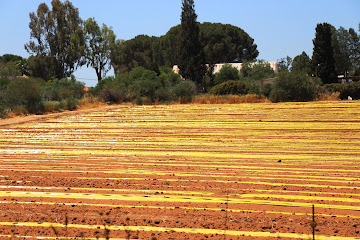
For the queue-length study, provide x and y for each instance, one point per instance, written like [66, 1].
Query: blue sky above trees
[280, 28]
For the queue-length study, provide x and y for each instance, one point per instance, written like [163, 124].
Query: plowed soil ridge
[247, 171]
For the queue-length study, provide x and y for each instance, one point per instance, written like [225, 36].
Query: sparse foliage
[285, 64]
[99, 44]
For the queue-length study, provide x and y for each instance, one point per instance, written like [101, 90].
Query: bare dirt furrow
[247, 171]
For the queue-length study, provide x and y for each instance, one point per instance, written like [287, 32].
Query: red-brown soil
[249, 168]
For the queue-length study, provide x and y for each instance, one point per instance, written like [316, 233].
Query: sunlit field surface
[242, 171]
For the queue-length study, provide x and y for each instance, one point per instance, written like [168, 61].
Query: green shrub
[113, 94]
[24, 92]
[144, 88]
[169, 79]
[139, 100]
[113, 89]
[163, 95]
[184, 91]
[335, 87]
[166, 70]
[3, 83]
[60, 89]
[108, 81]
[266, 90]
[352, 89]
[10, 69]
[226, 73]
[140, 74]
[254, 88]
[257, 71]
[294, 86]
[230, 87]
[145, 84]
[69, 104]
[141, 86]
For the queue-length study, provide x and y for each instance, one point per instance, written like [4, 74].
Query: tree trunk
[98, 74]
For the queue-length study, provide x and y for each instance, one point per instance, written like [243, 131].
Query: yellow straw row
[180, 230]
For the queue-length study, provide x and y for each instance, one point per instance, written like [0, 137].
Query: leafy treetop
[58, 35]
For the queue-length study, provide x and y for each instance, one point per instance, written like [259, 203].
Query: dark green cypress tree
[323, 62]
[190, 53]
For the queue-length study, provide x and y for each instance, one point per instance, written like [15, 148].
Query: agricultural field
[242, 171]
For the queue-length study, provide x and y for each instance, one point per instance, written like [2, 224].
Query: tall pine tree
[190, 53]
[323, 55]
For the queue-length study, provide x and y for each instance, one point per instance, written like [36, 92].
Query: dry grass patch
[91, 102]
[52, 106]
[329, 96]
[17, 111]
[229, 99]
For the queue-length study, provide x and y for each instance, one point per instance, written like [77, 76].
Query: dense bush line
[230, 87]
[295, 86]
[345, 90]
[143, 86]
[24, 95]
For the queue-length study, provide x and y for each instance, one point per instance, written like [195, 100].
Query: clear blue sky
[280, 28]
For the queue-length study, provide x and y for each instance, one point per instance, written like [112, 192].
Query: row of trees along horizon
[61, 42]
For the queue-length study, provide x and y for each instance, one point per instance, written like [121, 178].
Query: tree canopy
[294, 86]
[302, 63]
[346, 46]
[226, 73]
[222, 43]
[323, 55]
[133, 53]
[190, 52]
[100, 42]
[340, 41]
[12, 65]
[10, 58]
[58, 36]
[257, 70]
[285, 64]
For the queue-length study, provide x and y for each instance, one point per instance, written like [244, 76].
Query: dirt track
[248, 171]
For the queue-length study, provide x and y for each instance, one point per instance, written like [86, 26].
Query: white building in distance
[218, 66]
